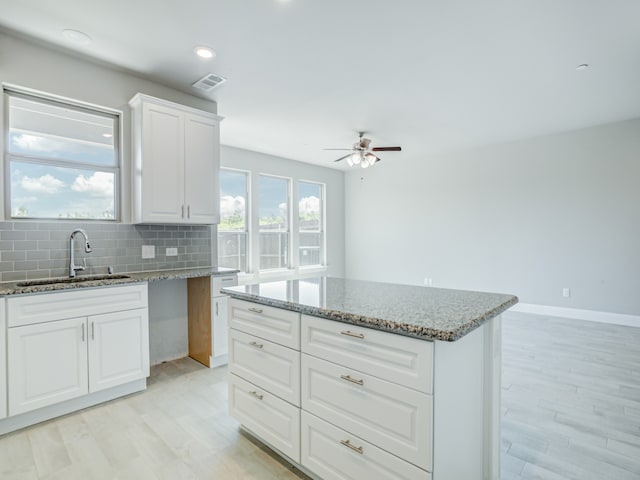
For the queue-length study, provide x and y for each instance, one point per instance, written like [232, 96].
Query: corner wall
[527, 218]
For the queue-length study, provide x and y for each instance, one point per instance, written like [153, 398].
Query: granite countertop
[424, 312]
[15, 288]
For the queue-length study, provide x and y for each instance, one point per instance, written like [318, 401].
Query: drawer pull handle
[351, 334]
[256, 394]
[256, 344]
[228, 279]
[348, 444]
[348, 378]
[255, 310]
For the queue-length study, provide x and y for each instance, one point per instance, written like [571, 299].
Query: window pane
[273, 198]
[232, 230]
[47, 191]
[40, 129]
[310, 223]
[233, 201]
[232, 250]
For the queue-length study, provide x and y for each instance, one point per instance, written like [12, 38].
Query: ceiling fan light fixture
[356, 158]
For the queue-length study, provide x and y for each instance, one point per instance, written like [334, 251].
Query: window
[233, 230]
[273, 201]
[62, 160]
[310, 224]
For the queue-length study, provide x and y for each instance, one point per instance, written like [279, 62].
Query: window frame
[9, 91]
[323, 225]
[247, 220]
[290, 263]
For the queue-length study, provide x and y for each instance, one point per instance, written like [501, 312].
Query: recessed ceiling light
[77, 37]
[582, 66]
[204, 52]
[107, 135]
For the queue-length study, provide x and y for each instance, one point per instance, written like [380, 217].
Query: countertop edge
[10, 288]
[398, 328]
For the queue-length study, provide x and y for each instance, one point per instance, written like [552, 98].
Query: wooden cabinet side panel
[199, 313]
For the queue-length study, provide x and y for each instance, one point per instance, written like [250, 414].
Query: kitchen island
[355, 379]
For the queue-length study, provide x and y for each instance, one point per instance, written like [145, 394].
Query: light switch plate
[148, 251]
[172, 252]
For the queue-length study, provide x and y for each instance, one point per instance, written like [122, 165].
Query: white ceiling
[430, 75]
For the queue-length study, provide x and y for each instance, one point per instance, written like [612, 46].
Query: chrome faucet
[73, 268]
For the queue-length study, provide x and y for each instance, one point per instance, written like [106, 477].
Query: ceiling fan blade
[377, 160]
[386, 149]
[342, 158]
[337, 149]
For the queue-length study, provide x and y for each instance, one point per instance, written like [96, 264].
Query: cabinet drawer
[274, 324]
[403, 360]
[45, 307]
[333, 453]
[222, 281]
[270, 418]
[395, 418]
[268, 365]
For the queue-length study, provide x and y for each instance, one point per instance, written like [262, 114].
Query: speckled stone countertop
[424, 312]
[22, 287]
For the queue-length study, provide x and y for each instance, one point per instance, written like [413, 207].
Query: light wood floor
[571, 410]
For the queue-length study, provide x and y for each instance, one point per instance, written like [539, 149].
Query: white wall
[257, 163]
[527, 218]
[38, 67]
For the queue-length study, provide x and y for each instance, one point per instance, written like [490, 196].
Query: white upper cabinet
[176, 159]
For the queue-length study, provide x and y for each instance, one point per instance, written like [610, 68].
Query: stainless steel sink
[55, 281]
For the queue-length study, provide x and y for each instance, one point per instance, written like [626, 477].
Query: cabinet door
[118, 348]
[162, 167]
[3, 364]
[220, 326]
[47, 364]
[202, 161]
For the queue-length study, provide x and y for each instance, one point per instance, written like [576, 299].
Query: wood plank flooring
[570, 399]
[571, 410]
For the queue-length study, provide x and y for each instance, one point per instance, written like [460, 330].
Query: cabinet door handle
[256, 344]
[82, 334]
[255, 310]
[256, 394]
[216, 308]
[351, 334]
[348, 444]
[182, 211]
[93, 330]
[188, 211]
[348, 378]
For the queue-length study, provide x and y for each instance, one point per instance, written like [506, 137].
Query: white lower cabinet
[332, 453]
[47, 364]
[3, 360]
[275, 421]
[118, 348]
[52, 359]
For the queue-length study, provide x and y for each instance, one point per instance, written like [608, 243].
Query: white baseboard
[579, 314]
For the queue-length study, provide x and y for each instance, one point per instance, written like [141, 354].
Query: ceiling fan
[361, 153]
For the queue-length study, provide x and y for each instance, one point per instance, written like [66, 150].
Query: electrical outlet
[172, 252]
[148, 251]
[566, 292]
[428, 282]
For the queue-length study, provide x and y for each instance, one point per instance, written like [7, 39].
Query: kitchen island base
[342, 413]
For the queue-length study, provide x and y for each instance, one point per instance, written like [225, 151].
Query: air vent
[209, 82]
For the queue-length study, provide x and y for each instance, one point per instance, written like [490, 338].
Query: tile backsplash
[32, 250]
